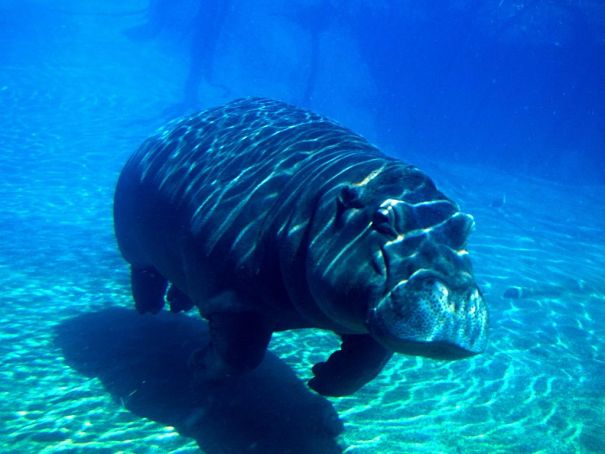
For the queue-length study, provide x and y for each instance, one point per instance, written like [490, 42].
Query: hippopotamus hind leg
[358, 361]
[148, 289]
[238, 341]
[178, 300]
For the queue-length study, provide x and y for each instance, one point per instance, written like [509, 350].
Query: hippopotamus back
[268, 217]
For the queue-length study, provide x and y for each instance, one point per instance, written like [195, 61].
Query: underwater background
[501, 102]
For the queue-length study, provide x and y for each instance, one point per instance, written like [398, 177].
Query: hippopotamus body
[267, 217]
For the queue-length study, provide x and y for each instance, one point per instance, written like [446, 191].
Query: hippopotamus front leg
[358, 361]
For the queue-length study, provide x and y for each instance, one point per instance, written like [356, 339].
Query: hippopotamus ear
[350, 197]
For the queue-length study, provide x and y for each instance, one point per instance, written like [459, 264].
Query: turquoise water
[82, 372]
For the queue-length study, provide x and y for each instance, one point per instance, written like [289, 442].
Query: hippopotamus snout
[423, 315]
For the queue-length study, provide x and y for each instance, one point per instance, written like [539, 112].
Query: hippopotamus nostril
[434, 212]
[454, 231]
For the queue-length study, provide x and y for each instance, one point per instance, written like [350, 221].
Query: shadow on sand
[142, 361]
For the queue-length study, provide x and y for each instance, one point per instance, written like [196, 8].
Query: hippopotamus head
[387, 256]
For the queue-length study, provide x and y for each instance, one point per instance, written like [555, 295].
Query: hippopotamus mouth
[427, 315]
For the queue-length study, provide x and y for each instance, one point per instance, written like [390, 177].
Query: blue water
[500, 102]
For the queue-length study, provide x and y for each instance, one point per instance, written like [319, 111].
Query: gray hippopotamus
[267, 217]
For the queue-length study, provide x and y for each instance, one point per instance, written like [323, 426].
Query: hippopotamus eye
[383, 221]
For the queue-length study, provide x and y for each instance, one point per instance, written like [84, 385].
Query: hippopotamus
[267, 217]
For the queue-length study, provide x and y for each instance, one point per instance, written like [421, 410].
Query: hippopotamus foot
[178, 300]
[238, 342]
[148, 289]
[358, 361]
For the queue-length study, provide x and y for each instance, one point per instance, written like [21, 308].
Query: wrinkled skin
[267, 218]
